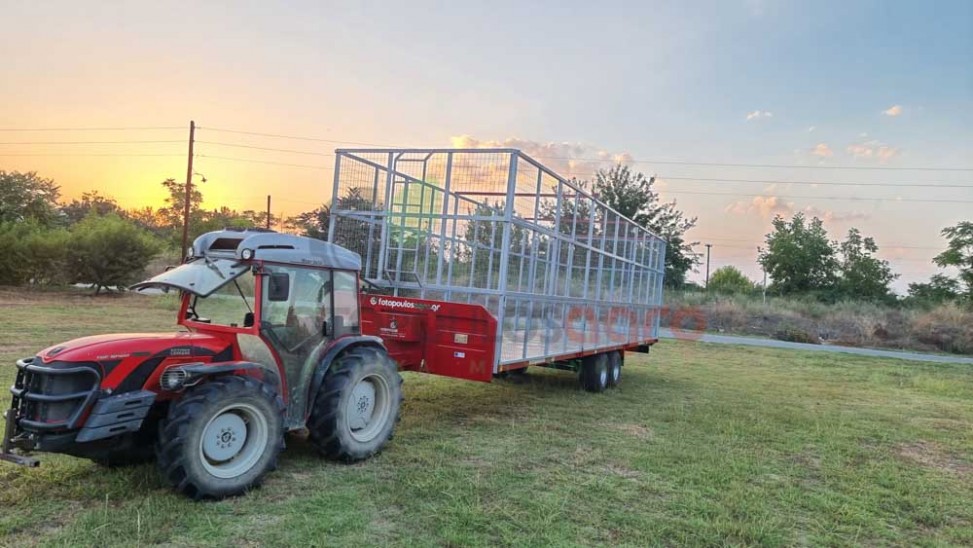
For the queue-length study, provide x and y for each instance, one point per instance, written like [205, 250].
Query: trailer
[464, 263]
[561, 278]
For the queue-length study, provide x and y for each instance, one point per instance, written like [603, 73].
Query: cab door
[297, 320]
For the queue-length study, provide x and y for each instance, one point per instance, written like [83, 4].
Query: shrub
[729, 280]
[45, 257]
[110, 252]
[793, 334]
[32, 254]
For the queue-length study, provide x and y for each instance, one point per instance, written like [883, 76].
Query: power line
[87, 142]
[294, 137]
[83, 155]
[850, 198]
[773, 166]
[290, 151]
[230, 158]
[142, 128]
[762, 243]
[771, 181]
[589, 159]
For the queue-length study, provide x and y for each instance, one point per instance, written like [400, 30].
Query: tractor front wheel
[357, 406]
[221, 437]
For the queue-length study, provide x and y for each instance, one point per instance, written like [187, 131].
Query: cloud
[822, 150]
[893, 110]
[827, 215]
[764, 206]
[767, 207]
[812, 128]
[758, 114]
[872, 149]
[567, 159]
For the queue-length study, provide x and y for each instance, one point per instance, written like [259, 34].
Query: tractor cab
[281, 298]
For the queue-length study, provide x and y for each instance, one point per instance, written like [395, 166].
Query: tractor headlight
[246, 254]
[189, 252]
[173, 378]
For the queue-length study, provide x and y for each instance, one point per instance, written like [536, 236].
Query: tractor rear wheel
[221, 437]
[357, 406]
[614, 369]
[594, 373]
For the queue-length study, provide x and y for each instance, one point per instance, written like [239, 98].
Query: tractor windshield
[231, 304]
[201, 276]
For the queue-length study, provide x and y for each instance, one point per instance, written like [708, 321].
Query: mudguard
[337, 348]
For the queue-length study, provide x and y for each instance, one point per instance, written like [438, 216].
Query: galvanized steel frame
[409, 239]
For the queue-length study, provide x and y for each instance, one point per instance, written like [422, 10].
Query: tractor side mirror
[278, 287]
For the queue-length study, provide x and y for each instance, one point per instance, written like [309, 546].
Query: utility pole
[189, 190]
[268, 212]
[708, 246]
[765, 287]
[764, 270]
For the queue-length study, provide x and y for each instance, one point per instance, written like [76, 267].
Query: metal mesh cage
[561, 271]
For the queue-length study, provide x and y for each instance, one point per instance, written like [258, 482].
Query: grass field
[701, 445]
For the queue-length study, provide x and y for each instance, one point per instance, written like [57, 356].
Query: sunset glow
[712, 100]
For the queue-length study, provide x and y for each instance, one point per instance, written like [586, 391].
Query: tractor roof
[268, 245]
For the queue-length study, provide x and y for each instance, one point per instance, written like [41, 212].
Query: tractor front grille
[53, 397]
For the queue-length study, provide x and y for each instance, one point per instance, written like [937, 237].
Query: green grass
[701, 444]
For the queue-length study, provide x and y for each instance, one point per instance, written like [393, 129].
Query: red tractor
[273, 343]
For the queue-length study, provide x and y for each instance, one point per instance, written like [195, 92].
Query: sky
[727, 103]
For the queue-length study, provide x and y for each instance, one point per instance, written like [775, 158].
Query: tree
[90, 202]
[798, 256]
[631, 194]
[26, 196]
[109, 251]
[174, 210]
[862, 275]
[939, 289]
[729, 280]
[33, 254]
[313, 224]
[959, 254]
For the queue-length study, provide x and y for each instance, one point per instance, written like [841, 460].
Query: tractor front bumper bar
[9, 442]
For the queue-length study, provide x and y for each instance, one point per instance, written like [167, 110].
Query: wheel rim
[616, 373]
[368, 408]
[603, 376]
[233, 440]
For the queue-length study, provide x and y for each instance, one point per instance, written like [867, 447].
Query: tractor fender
[336, 349]
[198, 372]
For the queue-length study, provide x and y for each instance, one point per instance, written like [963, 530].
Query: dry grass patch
[933, 456]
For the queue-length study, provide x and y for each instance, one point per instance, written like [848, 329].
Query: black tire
[136, 450]
[614, 369]
[181, 456]
[594, 373]
[332, 425]
[126, 457]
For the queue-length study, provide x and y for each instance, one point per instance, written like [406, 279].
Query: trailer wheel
[614, 369]
[222, 437]
[357, 406]
[594, 373]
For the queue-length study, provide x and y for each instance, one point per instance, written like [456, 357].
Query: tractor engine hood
[138, 346]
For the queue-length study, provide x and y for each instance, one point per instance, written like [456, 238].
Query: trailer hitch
[6, 450]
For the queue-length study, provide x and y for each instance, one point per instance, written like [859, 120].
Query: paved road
[665, 333]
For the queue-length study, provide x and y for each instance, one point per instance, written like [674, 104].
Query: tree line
[801, 260]
[92, 240]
